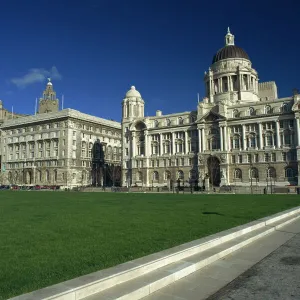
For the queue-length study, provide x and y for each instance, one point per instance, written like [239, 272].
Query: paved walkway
[266, 269]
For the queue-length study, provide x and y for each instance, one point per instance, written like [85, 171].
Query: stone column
[186, 142]
[203, 140]
[221, 138]
[260, 136]
[220, 85]
[161, 144]
[225, 138]
[199, 140]
[298, 133]
[278, 134]
[173, 143]
[146, 144]
[133, 144]
[244, 137]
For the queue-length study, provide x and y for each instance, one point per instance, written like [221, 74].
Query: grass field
[49, 237]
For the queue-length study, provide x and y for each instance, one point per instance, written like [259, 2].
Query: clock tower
[49, 102]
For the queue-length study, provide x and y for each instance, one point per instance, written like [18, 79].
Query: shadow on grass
[212, 213]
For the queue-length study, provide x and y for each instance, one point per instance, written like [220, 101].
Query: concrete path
[266, 269]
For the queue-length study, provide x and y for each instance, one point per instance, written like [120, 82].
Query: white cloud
[36, 75]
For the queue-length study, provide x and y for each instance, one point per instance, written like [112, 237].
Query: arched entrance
[213, 166]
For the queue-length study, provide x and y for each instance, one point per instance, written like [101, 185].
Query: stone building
[65, 148]
[240, 134]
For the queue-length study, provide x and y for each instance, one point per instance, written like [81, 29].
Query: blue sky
[95, 50]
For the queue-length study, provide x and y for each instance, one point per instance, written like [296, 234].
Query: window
[256, 158]
[284, 108]
[167, 175]
[251, 111]
[273, 157]
[180, 121]
[267, 157]
[249, 160]
[269, 140]
[168, 122]
[180, 175]
[267, 109]
[74, 133]
[235, 113]
[74, 143]
[271, 173]
[284, 156]
[237, 174]
[253, 173]
[289, 172]
[233, 159]
[240, 159]
[252, 141]
[155, 176]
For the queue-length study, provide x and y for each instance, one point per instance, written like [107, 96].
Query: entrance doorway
[213, 166]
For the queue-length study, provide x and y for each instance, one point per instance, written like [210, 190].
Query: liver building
[240, 134]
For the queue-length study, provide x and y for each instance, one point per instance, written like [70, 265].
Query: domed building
[241, 135]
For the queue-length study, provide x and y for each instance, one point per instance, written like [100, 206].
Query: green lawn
[49, 237]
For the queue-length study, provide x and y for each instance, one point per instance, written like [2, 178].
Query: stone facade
[240, 134]
[65, 148]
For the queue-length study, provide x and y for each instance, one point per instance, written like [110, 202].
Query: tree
[3, 178]
[114, 173]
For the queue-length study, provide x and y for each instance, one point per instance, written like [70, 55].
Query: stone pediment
[211, 117]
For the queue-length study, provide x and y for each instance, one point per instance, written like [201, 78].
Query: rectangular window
[74, 154]
[267, 158]
[74, 142]
[273, 156]
[74, 133]
[233, 159]
[249, 158]
[182, 161]
[240, 159]
[256, 158]
[284, 156]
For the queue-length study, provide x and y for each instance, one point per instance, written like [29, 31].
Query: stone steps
[144, 285]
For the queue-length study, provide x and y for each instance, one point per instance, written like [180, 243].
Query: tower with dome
[241, 134]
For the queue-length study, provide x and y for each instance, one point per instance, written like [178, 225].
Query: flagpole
[198, 98]
[12, 112]
[62, 102]
[35, 106]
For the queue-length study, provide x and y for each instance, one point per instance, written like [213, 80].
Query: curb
[160, 269]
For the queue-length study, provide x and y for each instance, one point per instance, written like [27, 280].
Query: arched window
[237, 174]
[284, 108]
[235, 113]
[180, 175]
[267, 109]
[167, 175]
[251, 111]
[271, 173]
[253, 173]
[155, 176]
[289, 172]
